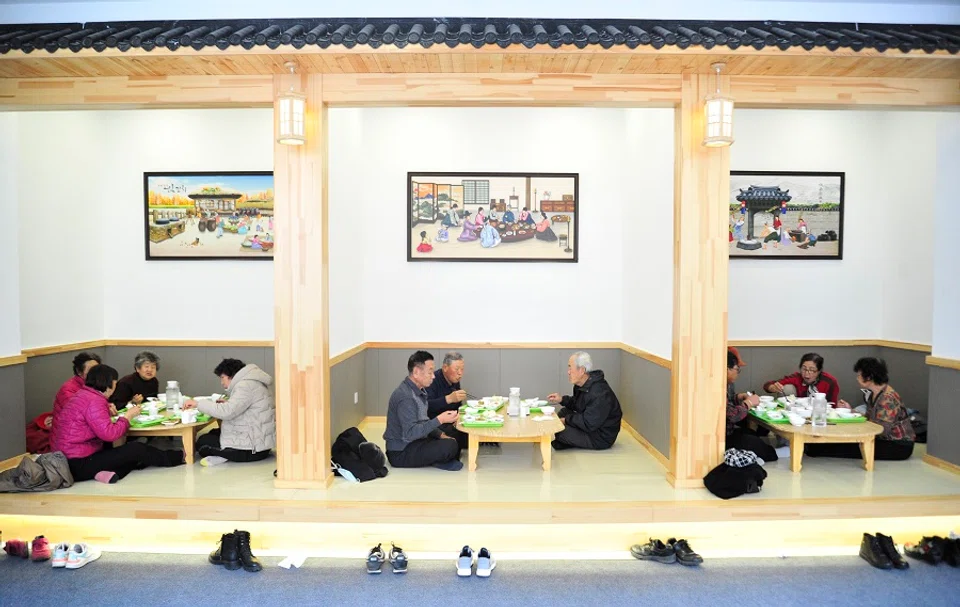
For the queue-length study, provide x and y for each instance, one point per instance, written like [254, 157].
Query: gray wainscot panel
[944, 414]
[645, 398]
[909, 375]
[13, 417]
[43, 376]
[346, 379]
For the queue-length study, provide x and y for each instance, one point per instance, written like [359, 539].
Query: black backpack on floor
[355, 453]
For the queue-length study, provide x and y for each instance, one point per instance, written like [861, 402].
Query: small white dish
[548, 410]
[172, 422]
[766, 399]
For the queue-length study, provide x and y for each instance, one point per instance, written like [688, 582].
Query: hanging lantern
[718, 114]
[291, 108]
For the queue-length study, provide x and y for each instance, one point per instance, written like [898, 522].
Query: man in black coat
[592, 415]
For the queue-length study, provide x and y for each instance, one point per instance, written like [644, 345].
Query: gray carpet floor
[152, 579]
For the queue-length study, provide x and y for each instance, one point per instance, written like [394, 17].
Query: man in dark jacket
[592, 415]
[445, 394]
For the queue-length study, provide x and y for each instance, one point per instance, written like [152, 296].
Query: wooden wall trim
[124, 92]
[16, 359]
[347, 354]
[657, 360]
[593, 90]
[823, 343]
[58, 349]
[191, 343]
[946, 363]
[843, 92]
[657, 455]
[492, 345]
[941, 463]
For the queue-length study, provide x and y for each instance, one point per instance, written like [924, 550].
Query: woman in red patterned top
[810, 380]
[884, 407]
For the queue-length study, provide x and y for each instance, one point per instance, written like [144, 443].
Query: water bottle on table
[173, 395]
[818, 417]
[513, 408]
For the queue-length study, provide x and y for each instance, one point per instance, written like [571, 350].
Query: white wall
[83, 275]
[890, 11]
[883, 286]
[946, 295]
[10, 252]
[489, 301]
[62, 229]
[647, 229]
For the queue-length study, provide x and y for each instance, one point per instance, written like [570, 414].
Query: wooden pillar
[300, 264]
[698, 383]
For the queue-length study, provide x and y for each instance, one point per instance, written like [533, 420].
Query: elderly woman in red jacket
[810, 380]
[83, 425]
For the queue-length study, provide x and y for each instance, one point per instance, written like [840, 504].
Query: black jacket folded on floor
[362, 458]
[594, 408]
[727, 481]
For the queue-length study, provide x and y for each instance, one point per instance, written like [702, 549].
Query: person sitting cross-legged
[413, 438]
[592, 415]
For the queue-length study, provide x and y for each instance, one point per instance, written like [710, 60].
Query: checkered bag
[737, 458]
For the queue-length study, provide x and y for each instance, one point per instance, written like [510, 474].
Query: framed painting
[225, 215]
[786, 215]
[493, 216]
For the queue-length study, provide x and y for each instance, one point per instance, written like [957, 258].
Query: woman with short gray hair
[139, 385]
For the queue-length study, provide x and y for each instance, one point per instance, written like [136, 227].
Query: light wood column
[301, 343]
[698, 382]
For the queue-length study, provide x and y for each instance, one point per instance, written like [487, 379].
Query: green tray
[482, 408]
[156, 422]
[840, 420]
[479, 424]
[783, 420]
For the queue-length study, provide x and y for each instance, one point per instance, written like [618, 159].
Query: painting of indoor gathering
[209, 215]
[786, 215]
[492, 216]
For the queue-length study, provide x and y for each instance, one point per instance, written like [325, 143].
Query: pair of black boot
[234, 552]
[880, 551]
[935, 549]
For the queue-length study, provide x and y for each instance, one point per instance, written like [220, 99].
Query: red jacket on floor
[38, 434]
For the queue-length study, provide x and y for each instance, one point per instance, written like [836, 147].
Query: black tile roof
[504, 33]
[763, 194]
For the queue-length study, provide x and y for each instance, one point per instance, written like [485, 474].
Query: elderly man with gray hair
[592, 415]
[445, 394]
[140, 385]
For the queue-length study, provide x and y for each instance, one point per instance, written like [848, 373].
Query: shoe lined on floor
[654, 550]
[465, 562]
[485, 563]
[375, 559]
[872, 552]
[398, 559]
[890, 549]
[685, 554]
[60, 551]
[106, 477]
[213, 460]
[247, 560]
[40, 549]
[929, 549]
[227, 554]
[80, 555]
[17, 548]
[452, 466]
[951, 551]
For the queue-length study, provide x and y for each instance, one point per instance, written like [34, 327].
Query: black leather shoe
[249, 562]
[872, 552]
[685, 554]
[951, 551]
[654, 550]
[227, 554]
[929, 549]
[890, 549]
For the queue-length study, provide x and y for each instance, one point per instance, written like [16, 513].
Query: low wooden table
[514, 430]
[187, 432]
[864, 433]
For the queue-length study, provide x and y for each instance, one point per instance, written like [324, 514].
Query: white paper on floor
[295, 561]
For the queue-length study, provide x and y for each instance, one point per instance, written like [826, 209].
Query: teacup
[766, 399]
[188, 416]
[151, 407]
[548, 410]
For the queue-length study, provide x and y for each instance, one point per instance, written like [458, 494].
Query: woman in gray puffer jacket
[248, 422]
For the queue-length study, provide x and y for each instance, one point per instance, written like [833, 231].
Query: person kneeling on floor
[592, 415]
[413, 438]
[248, 419]
[83, 425]
[738, 405]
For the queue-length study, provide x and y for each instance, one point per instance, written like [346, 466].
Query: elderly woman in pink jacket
[83, 425]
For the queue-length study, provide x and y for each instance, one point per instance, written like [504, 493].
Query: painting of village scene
[786, 215]
[209, 215]
[492, 216]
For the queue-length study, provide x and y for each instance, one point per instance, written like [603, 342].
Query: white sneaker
[485, 563]
[59, 558]
[80, 555]
[213, 460]
[465, 562]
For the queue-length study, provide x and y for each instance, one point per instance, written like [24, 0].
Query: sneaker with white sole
[80, 555]
[59, 558]
[485, 563]
[465, 562]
